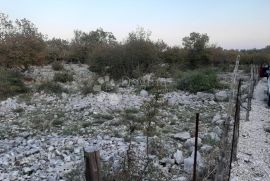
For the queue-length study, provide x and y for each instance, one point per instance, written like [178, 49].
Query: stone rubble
[43, 137]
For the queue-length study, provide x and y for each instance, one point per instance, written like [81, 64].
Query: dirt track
[254, 142]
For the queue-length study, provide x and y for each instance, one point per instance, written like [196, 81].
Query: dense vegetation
[10, 83]
[22, 45]
[198, 80]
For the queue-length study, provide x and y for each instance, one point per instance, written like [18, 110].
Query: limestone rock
[182, 136]
[143, 93]
[222, 96]
[178, 156]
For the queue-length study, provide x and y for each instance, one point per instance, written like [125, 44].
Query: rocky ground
[43, 134]
[254, 142]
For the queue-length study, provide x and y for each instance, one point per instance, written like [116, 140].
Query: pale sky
[237, 24]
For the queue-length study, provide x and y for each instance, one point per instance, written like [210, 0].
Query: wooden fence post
[196, 148]
[235, 137]
[92, 164]
[222, 165]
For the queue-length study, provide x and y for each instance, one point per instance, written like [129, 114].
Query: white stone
[182, 136]
[124, 83]
[107, 78]
[144, 93]
[206, 148]
[100, 80]
[191, 142]
[222, 96]
[51, 148]
[97, 88]
[26, 170]
[188, 163]
[217, 130]
[178, 156]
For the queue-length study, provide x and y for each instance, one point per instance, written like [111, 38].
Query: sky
[231, 24]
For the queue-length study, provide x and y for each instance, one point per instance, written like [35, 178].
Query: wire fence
[227, 153]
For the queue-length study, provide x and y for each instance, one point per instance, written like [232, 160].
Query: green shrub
[50, 87]
[198, 80]
[63, 77]
[87, 86]
[57, 66]
[10, 83]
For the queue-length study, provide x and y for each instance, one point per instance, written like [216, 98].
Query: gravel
[254, 143]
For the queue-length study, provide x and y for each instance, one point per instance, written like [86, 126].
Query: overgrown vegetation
[21, 45]
[63, 77]
[56, 65]
[10, 83]
[50, 87]
[201, 80]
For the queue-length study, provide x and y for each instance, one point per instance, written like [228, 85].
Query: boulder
[172, 101]
[100, 80]
[206, 148]
[144, 93]
[97, 88]
[217, 130]
[188, 163]
[178, 156]
[205, 96]
[191, 142]
[182, 136]
[124, 83]
[212, 136]
[217, 119]
[222, 96]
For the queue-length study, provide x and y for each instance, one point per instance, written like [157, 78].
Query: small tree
[20, 43]
[196, 45]
[57, 50]
[84, 45]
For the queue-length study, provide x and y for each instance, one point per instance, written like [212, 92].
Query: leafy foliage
[10, 83]
[57, 50]
[57, 66]
[51, 87]
[196, 45]
[20, 44]
[84, 45]
[134, 56]
[63, 77]
[199, 80]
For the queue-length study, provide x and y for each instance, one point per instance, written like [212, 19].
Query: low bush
[87, 86]
[198, 80]
[57, 66]
[63, 77]
[10, 83]
[51, 87]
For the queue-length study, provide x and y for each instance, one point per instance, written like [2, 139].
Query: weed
[63, 77]
[18, 110]
[86, 124]
[75, 174]
[73, 129]
[103, 116]
[57, 66]
[87, 86]
[51, 87]
[57, 122]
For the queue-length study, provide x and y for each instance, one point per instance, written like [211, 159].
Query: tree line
[22, 45]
